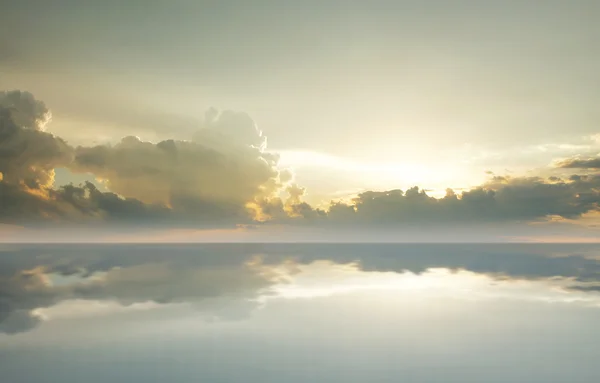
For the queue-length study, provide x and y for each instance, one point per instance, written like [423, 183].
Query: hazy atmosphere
[299, 191]
[382, 117]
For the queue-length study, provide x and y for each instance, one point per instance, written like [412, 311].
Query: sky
[252, 116]
[301, 312]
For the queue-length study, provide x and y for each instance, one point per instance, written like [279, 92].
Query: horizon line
[595, 242]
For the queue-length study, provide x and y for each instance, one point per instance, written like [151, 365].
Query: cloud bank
[579, 163]
[224, 175]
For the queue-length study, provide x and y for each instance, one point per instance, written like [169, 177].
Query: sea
[300, 312]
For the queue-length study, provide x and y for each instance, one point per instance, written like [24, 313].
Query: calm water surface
[300, 313]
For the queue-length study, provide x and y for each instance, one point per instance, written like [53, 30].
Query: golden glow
[41, 193]
[257, 212]
[323, 278]
[557, 239]
[179, 235]
[381, 176]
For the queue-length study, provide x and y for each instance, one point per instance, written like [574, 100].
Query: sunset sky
[288, 120]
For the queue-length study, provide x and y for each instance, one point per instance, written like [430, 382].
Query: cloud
[25, 110]
[218, 172]
[18, 321]
[578, 163]
[224, 176]
[88, 201]
[210, 178]
[291, 210]
[74, 205]
[500, 200]
[28, 155]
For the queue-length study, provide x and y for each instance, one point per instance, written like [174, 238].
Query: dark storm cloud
[578, 163]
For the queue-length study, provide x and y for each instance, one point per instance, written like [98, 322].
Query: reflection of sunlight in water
[322, 278]
[290, 280]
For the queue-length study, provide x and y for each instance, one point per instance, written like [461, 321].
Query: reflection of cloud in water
[229, 281]
[221, 288]
[324, 279]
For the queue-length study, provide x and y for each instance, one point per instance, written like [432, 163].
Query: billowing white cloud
[225, 164]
